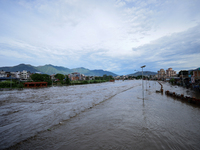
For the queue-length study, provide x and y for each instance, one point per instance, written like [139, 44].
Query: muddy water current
[99, 116]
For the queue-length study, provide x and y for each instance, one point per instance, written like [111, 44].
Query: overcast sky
[113, 35]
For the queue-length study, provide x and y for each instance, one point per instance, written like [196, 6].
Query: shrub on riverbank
[11, 84]
[86, 82]
[7, 84]
[41, 78]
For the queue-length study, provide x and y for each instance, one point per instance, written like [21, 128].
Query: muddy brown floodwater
[99, 116]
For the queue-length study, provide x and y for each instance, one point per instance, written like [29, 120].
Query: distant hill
[92, 72]
[20, 67]
[145, 73]
[50, 69]
[194, 69]
[82, 71]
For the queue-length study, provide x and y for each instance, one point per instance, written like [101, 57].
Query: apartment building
[161, 73]
[170, 73]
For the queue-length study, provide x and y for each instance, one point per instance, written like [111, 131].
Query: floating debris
[157, 91]
[188, 99]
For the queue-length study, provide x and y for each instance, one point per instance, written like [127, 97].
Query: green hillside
[88, 72]
[19, 67]
[102, 72]
[145, 73]
[50, 69]
[82, 71]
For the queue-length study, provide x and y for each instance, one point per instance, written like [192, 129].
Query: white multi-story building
[24, 75]
[3, 74]
[83, 77]
[16, 74]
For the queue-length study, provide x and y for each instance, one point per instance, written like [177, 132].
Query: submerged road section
[100, 116]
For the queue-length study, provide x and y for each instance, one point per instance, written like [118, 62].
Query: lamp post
[52, 80]
[142, 81]
[52, 77]
[10, 81]
[182, 77]
[146, 84]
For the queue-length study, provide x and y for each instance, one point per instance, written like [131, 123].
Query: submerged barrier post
[161, 88]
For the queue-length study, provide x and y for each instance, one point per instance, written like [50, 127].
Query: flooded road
[98, 116]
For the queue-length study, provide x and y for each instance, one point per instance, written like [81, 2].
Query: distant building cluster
[76, 76]
[26, 75]
[23, 75]
[169, 73]
[123, 77]
[186, 76]
[196, 74]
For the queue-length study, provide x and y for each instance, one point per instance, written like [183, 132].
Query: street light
[10, 81]
[142, 81]
[52, 76]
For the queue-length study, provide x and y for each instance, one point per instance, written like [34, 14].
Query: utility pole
[182, 77]
[10, 80]
[52, 81]
[146, 84]
[52, 78]
[142, 81]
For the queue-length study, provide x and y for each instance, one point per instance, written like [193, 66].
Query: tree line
[60, 80]
[64, 79]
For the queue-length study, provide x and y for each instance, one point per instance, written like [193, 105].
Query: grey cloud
[177, 48]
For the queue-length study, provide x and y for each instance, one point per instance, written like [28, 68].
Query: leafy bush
[172, 80]
[7, 84]
[91, 81]
[59, 76]
[41, 78]
[85, 82]
[20, 85]
[67, 81]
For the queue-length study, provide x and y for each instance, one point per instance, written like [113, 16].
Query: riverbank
[57, 84]
[180, 90]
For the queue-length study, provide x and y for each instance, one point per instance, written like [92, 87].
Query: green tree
[100, 78]
[67, 81]
[172, 80]
[60, 76]
[139, 77]
[96, 78]
[41, 78]
[104, 77]
[110, 77]
[184, 72]
[37, 77]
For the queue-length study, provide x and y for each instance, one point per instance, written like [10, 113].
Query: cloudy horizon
[113, 35]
